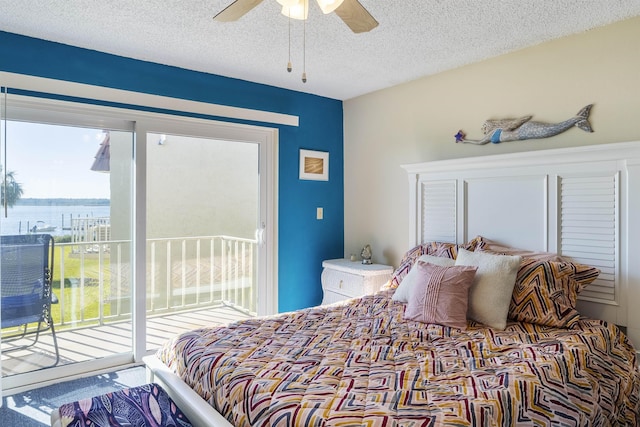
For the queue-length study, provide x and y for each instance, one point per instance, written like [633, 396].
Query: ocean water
[20, 219]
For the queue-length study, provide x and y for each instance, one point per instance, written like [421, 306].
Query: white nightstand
[344, 279]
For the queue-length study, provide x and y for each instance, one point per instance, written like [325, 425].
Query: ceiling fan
[350, 11]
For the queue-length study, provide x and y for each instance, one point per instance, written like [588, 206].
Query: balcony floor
[82, 344]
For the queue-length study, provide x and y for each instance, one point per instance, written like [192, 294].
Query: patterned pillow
[441, 249]
[583, 275]
[487, 245]
[441, 296]
[546, 292]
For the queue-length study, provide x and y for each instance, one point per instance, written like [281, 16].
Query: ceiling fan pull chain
[289, 68]
[304, 46]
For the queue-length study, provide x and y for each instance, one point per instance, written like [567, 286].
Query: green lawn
[74, 301]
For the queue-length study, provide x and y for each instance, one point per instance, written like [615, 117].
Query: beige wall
[417, 121]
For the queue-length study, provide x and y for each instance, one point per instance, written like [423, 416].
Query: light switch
[319, 213]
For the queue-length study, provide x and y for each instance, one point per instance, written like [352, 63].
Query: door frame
[266, 138]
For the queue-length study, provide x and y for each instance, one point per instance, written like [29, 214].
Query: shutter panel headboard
[581, 202]
[438, 214]
[589, 230]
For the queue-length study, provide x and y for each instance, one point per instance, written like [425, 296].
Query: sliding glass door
[158, 224]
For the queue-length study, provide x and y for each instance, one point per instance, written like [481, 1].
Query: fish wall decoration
[522, 128]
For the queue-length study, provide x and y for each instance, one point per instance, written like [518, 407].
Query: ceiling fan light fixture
[329, 6]
[299, 10]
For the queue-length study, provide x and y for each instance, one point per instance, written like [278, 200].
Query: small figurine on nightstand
[366, 255]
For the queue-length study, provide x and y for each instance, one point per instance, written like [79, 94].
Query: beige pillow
[441, 295]
[413, 278]
[490, 294]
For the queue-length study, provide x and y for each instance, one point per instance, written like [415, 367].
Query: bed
[526, 337]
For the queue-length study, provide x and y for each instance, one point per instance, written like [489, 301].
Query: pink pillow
[442, 295]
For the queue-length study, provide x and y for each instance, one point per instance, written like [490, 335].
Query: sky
[54, 161]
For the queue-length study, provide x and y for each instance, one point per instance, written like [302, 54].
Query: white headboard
[581, 202]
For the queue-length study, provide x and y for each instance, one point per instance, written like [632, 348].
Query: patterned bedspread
[360, 363]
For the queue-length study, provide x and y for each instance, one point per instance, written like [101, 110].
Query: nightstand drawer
[343, 283]
[330, 297]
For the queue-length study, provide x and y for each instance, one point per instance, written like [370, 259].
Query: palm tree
[11, 189]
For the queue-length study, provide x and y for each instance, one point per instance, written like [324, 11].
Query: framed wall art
[314, 165]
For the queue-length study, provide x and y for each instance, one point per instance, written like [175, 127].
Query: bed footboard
[199, 412]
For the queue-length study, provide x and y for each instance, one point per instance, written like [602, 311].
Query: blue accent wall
[304, 241]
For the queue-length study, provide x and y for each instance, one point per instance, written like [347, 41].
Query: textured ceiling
[415, 38]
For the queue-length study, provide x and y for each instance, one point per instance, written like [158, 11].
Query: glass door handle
[260, 235]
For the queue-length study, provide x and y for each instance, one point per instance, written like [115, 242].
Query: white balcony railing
[182, 273]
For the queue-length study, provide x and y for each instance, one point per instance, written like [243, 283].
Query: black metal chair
[26, 274]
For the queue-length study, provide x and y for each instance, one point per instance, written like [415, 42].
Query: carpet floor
[33, 408]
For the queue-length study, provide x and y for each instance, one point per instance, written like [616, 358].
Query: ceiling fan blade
[236, 10]
[356, 16]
